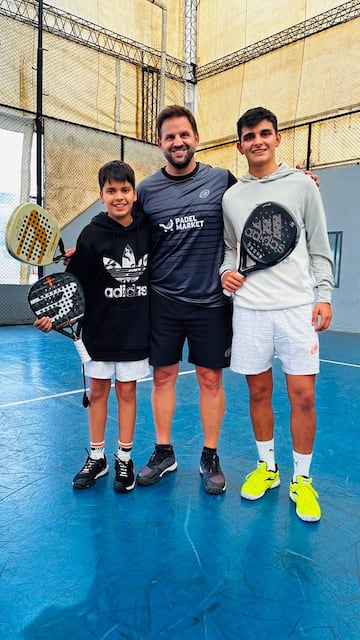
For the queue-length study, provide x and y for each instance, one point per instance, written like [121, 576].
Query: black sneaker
[124, 476]
[213, 478]
[162, 461]
[91, 471]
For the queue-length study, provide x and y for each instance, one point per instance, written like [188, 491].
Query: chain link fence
[320, 144]
[99, 102]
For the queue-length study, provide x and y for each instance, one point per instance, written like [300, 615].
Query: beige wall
[138, 20]
[225, 26]
[304, 80]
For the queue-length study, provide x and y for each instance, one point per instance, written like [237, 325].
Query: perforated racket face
[32, 235]
[58, 296]
[269, 234]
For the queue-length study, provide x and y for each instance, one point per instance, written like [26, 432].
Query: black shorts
[208, 331]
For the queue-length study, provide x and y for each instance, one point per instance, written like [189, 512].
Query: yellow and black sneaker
[305, 497]
[257, 482]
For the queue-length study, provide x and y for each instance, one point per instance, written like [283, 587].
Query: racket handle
[81, 349]
[227, 293]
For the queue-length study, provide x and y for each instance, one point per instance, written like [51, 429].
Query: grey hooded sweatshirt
[306, 275]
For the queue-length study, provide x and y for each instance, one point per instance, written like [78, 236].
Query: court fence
[96, 99]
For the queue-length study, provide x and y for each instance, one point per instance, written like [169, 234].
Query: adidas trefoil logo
[128, 270]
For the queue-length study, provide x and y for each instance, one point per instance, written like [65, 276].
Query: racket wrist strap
[61, 247]
[85, 399]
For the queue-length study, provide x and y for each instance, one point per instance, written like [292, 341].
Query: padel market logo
[183, 223]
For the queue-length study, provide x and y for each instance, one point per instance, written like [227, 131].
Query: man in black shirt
[182, 203]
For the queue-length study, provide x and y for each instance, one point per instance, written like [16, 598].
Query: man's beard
[180, 164]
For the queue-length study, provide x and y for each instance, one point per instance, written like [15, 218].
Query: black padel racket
[60, 296]
[269, 235]
[32, 236]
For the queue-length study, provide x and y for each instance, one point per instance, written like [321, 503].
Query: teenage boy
[278, 310]
[110, 261]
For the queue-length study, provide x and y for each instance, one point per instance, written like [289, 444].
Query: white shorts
[123, 371]
[287, 333]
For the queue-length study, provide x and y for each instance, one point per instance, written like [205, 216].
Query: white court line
[343, 364]
[181, 373]
[71, 393]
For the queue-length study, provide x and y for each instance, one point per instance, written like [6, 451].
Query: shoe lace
[211, 463]
[89, 465]
[121, 468]
[307, 492]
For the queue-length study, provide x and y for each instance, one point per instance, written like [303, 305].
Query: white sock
[97, 451]
[124, 451]
[302, 462]
[266, 453]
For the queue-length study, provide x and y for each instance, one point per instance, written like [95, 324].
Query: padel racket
[32, 236]
[269, 235]
[60, 296]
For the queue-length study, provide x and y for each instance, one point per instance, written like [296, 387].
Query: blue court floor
[169, 561]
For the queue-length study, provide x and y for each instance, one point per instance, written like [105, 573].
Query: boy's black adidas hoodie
[111, 263]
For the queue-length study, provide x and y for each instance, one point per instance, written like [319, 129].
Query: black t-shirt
[186, 227]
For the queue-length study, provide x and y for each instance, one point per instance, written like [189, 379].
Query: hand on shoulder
[309, 173]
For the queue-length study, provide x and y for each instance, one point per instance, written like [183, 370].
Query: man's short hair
[252, 117]
[175, 111]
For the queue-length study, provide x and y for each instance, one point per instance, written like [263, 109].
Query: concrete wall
[340, 190]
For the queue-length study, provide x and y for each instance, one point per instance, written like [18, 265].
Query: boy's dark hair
[118, 171]
[252, 117]
[175, 111]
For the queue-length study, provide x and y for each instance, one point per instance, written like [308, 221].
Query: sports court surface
[169, 561]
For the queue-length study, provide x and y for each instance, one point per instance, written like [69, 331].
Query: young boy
[279, 309]
[110, 261]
